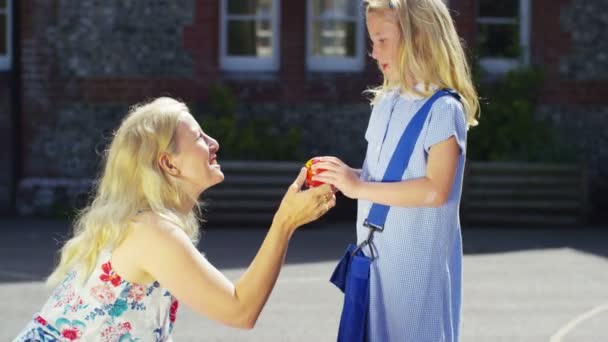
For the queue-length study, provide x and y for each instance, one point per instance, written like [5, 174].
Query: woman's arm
[170, 257]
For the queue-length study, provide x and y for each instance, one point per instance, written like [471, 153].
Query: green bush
[258, 139]
[508, 128]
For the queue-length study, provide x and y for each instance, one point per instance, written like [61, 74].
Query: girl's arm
[432, 190]
[164, 252]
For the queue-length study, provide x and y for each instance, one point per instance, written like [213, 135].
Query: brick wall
[568, 43]
[84, 62]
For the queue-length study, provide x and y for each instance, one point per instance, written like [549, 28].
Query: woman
[133, 256]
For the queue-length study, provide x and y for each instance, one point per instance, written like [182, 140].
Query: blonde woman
[132, 258]
[415, 273]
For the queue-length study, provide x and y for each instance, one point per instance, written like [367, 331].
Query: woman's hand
[338, 174]
[299, 207]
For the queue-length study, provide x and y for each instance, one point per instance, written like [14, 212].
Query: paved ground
[520, 284]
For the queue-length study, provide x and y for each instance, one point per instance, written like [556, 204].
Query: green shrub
[508, 128]
[259, 138]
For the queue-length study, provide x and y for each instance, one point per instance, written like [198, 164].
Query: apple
[310, 173]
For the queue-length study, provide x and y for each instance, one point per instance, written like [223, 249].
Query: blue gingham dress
[416, 280]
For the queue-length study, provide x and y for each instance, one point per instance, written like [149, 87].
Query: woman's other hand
[300, 207]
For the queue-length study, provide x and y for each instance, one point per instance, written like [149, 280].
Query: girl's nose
[374, 53]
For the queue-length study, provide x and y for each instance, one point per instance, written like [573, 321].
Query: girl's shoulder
[448, 103]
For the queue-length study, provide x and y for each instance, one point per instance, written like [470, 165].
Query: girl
[133, 254]
[415, 277]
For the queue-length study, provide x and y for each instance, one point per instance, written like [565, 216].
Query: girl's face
[196, 160]
[385, 36]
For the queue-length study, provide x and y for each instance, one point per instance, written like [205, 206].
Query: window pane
[333, 38]
[498, 40]
[499, 8]
[249, 38]
[334, 7]
[250, 7]
[3, 47]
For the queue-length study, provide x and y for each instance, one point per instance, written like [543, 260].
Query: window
[6, 33]
[335, 35]
[249, 35]
[503, 31]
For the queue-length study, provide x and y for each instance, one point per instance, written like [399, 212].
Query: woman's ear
[167, 165]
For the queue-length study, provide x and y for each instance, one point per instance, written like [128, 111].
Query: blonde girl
[415, 277]
[133, 258]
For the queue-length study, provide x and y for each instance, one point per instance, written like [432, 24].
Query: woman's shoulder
[152, 221]
[147, 231]
[148, 228]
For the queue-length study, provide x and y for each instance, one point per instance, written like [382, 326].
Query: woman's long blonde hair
[430, 51]
[132, 181]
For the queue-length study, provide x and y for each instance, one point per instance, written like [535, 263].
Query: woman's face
[196, 159]
[385, 36]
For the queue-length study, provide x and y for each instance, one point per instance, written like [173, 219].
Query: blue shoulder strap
[401, 156]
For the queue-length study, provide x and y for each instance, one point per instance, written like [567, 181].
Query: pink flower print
[125, 327]
[114, 333]
[70, 330]
[71, 334]
[173, 311]
[66, 297]
[69, 300]
[109, 275]
[110, 334]
[41, 321]
[103, 293]
[77, 304]
[137, 292]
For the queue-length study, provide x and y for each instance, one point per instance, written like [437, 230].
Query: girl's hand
[338, 174]
[300, 207]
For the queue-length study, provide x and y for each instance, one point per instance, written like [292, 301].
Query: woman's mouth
[384, 66]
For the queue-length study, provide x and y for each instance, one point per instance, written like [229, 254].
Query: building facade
[71, 69]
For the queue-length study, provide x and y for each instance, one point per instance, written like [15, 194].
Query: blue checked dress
[416, 280]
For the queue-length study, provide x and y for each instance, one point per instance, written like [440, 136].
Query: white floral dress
[106, 308]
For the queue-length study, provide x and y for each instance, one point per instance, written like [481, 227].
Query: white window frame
[253, 63]
[6, 60]
[333, 63]
[497, 65]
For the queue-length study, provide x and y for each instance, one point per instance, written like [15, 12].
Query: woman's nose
[215, 146]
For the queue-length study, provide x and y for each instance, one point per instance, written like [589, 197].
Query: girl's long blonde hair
[132, 181]
[430, 52]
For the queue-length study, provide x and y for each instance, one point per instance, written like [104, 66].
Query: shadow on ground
[28, 247]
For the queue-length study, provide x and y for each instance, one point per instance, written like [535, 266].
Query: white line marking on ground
[557, 337]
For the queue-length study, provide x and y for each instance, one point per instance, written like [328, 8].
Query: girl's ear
[167, 165]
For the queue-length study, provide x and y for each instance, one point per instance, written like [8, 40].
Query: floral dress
[106, 308]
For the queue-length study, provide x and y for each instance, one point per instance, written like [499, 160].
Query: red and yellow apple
[311, 173]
